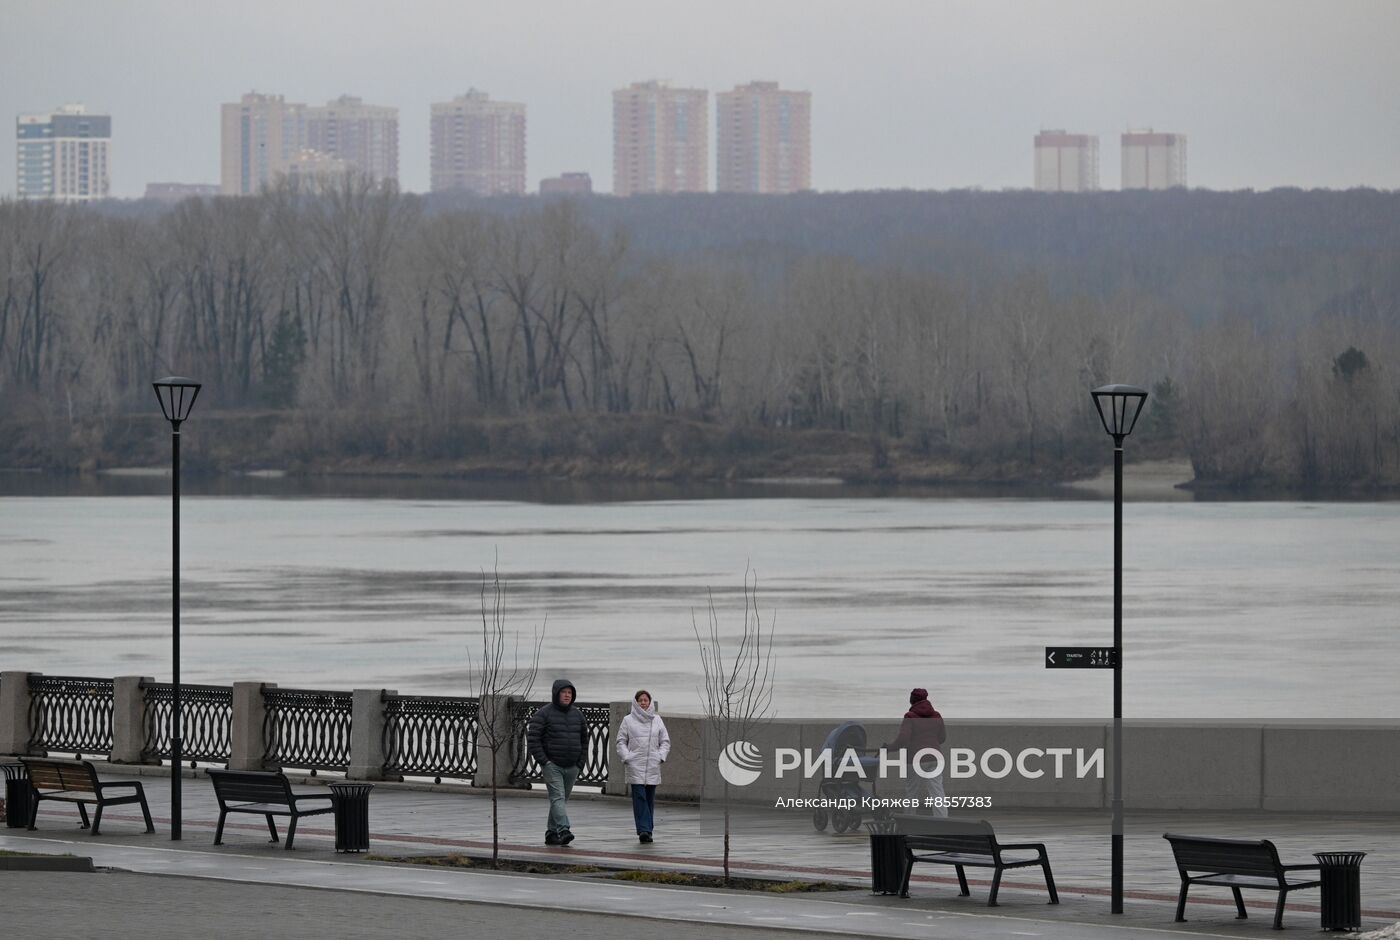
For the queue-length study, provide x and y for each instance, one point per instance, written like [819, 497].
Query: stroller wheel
[819, 820]
[844, 820]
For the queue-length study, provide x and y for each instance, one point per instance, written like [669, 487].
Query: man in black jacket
[558, 739]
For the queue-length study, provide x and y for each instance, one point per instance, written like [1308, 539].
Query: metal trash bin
[16, 795]
[350, 802]
[1341, 889]
[886, 862]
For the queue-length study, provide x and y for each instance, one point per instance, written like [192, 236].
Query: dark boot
[644, 836]
[565, 837]
[551, 837]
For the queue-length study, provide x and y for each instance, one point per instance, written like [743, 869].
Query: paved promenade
[767, 842]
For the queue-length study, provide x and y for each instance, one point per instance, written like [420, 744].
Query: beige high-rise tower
[478, 145]
[765, 139]
[1066, 163]
[661, 139]
[365, 136]
[259, 135]
[1153, 161]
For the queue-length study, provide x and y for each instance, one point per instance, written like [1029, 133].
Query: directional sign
[1081, 657]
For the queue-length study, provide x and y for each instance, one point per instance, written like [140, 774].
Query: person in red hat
[922, 729]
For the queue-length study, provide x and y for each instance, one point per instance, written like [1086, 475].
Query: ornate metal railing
[70, 714]
[307, 728]
[208, 719]
[430, 736]
[596, 715]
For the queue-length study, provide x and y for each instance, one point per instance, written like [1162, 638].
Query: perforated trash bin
[1341, 889]
[350, 802]
[16, 795]
[886, 862]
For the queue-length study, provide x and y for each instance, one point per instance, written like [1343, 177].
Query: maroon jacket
[922, 727]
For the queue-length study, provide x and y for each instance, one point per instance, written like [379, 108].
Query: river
[1249, 611]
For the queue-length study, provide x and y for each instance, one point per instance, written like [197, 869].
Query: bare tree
[502, 676]
[738, 691]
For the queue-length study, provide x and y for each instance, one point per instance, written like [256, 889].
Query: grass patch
[682, 878]
[693, 880]
[482, 863]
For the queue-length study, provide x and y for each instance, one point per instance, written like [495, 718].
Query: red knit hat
[918, 695]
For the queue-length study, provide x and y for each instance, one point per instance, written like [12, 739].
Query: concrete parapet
[14, 712]
[367, 734]
[1174, 766]
[129, 720]
[495, 742]
[683, 776]
[1331, 769]
[246, 728]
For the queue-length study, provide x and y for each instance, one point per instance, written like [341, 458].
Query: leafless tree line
[355, 301]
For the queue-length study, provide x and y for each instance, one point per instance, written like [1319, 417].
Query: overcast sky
[905, 93]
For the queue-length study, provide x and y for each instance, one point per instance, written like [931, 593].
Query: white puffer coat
[642, 743]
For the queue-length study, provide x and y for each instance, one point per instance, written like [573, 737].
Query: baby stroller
[848, 736]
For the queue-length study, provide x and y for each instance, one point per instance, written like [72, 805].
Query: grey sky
[906, 93]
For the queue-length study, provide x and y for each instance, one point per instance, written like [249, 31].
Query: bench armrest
[1018, 846]
[104, 784]
[1300, 867]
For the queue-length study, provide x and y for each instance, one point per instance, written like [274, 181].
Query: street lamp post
[176, 397]
[1118, 407]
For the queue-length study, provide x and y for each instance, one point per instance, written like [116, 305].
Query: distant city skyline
[921, 94]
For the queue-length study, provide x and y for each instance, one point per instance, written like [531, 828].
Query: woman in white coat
[642, 743]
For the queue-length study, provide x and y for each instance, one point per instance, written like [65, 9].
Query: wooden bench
[1234, 864]
[76, 781]
[266, 793]
[966, 844]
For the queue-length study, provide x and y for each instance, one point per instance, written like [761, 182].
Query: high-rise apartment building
[1153, 161]
[661, 139]
[478, 145]
[765, 139]
[1066, 163]
[365, 136]
[64, 155]
[263, 136]
[259, 136]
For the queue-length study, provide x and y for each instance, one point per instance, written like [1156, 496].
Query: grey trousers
[560, 783]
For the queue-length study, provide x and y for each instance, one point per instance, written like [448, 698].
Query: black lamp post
[177, 397]
[1119, 407]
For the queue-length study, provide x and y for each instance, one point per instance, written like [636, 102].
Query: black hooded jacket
[557, 733]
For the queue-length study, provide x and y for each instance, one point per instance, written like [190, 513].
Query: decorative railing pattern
[70, 714]
[596, 715]
[430, 736]
[307, 728]
[207, 711]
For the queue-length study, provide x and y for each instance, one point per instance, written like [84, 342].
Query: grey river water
[1276, 611]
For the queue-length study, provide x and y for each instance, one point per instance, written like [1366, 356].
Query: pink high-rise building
[765, 139]
[478, 145]
[365, 136]
[661, 139]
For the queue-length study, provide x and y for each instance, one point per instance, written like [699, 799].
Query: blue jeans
[643, 805]
[560, 783]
